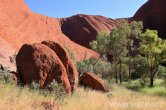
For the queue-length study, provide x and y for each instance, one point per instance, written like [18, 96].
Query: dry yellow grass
[130, 100]
[14, 98]
[118, 99]
[86, 100]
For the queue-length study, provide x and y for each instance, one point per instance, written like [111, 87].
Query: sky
[66, 8]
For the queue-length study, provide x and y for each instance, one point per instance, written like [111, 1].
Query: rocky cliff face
[153, 14]
[18, 25]
[83, 28]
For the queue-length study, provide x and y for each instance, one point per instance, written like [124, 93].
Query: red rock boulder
[93, 81]
[39, 63]
[67, 62]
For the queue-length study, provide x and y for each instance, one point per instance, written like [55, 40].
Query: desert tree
[154, 49]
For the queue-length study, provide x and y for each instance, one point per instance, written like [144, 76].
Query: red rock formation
[18, 25]
[39, 63]
[83, 28]
[153, 15]
[67, 62]
[93, 81]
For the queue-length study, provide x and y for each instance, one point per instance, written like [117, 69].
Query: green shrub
[5, 75]
[58, 90]
[70, 53]
[83, 66]
[97, 66]
[34, 86]
[103, 69]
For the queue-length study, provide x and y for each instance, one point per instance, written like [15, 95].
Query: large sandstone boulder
[39, 63]
[67, 62]
[153, 15]
[93, 81]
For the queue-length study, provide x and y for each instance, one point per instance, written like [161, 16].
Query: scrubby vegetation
[98, 66]
[5, 75]
[70, 53]
[141, 52]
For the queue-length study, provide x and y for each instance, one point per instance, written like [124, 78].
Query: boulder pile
[43, 64]
[48, 61]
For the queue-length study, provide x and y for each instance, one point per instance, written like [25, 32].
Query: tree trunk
[152, 76]
[95, 64]
[116, 74]
[130, 68]
[120, 75]
[151, 82]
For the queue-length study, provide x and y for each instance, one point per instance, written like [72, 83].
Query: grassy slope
[14, 98]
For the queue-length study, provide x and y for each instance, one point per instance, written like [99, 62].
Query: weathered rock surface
[18, 25]
[39, 63]
[67, 62]
[93, 81]
[83, 28]
[153, 14]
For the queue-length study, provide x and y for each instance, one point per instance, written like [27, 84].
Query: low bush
[70, 53]
[5, 75]
[34, 86]
[98, 66]
[58, 90]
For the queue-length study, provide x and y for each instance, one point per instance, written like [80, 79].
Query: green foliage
[83, 66]
[139, 67]
[70, 53]
[98, 66]
[124, 71]
[164, 82]
[161, 73]
[158, 89]
[136, 29]
[122, 41]
[119, 43]
[101, 43]
[5, 75]
[131, 32]
[34, 86]
[103, 69]
[58, 90]
[153, 48]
